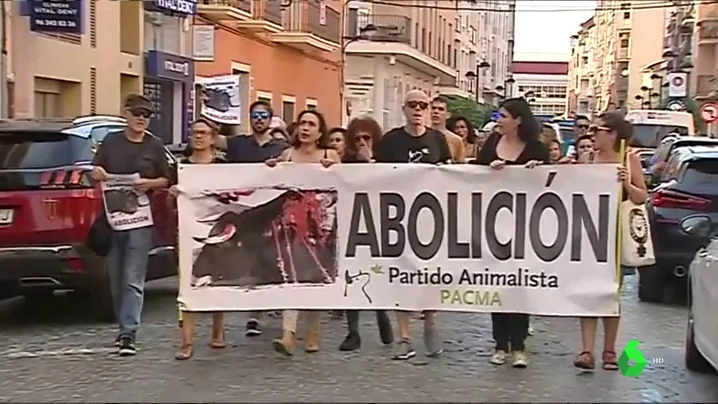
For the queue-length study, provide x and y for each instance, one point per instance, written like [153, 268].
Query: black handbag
[99, 239]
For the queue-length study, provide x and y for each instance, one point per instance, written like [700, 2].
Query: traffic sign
[676, 105]
[709, 112]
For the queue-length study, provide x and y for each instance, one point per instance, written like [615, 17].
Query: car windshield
[702, 172]
[650, 136]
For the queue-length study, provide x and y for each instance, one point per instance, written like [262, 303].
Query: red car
[48, 202]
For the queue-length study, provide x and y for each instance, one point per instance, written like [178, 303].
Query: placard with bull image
[405, 237]
[126, 207]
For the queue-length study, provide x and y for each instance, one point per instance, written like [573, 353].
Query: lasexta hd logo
[632, 353]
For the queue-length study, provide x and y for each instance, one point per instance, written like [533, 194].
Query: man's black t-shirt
[533, 150]
[245, 149]
[398, 146]
[119, 155]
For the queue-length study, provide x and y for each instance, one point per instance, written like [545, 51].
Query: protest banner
[405, 237]
[126, 207]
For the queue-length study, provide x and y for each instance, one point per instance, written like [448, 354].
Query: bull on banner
[405, 237]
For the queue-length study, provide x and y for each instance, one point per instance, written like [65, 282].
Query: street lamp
[501, 89]
[364, 33]
[528, 94]
[476, 76]
[509, 86]
[659, 78]
[639, 98]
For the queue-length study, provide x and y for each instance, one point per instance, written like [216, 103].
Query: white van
[651, 126]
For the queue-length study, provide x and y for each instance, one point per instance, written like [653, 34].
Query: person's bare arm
[636, 188]
[460, 156]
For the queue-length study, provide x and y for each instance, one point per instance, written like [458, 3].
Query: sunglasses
[260, 115]
[365, 138]
[597, 128]
[138, 112]
[420, 104]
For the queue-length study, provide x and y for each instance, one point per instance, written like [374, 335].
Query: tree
[477, 113]
[694, 108]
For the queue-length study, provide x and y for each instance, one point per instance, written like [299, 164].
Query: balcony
[225, 10]
[389, 28]
[707, 86]
[708, 33]
[310, 25]
[622, 54]
[267, 17]
[393, 37]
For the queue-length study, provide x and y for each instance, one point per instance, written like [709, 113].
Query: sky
[538, 31]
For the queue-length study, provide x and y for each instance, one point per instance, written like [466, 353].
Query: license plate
[6, 216]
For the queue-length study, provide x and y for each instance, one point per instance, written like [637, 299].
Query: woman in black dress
[516, 142]
[359, 140]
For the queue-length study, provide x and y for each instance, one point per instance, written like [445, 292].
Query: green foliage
[477, 113]
[694, 107]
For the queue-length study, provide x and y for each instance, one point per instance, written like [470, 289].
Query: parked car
[689, 186]
[701, 346]
[48, 201]
[668, 146]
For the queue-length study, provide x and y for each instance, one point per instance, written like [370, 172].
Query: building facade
[81, 61]
[435, 48]
[628, 38]
[581, 70]
[543, 83]
[705, 80]
[288, 56]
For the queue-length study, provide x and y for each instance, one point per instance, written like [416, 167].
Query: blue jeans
[127, 264]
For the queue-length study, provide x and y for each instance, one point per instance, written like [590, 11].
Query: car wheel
[650, 284]
[694, 359]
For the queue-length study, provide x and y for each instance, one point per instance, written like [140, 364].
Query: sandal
[609, 360]
[218, 343]
[585, 361]
[184, 353]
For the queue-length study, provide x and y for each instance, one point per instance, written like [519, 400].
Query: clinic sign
[172, 7]
[55, 16]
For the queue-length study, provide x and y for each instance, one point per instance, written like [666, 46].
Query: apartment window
[288, 111]
[265, 99]
[457, 24]
[624, 8]
[472, 35]
[456, 57]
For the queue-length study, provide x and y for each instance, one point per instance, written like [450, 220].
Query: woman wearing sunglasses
[202, 139]
[609, 131]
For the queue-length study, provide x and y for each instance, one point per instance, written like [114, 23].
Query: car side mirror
[698, 226]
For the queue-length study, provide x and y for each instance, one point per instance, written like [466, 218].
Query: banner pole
[619, 227]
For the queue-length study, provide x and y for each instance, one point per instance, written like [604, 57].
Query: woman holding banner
[359, 140]
[203, 138]
[309, 145]
[516, 143]
[612, 133]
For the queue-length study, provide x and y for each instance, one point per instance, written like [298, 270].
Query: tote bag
[636, 241]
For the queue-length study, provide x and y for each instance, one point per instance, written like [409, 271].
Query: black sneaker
[252, 328]
[385, 331]
[127, 347]
[352, 342]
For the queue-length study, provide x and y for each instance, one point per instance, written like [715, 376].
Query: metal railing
[244, 5]
[389, 28]
[269, 10]
[708, 30]
[705, 84]
[327, 27]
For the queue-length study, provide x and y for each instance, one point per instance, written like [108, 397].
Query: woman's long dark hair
[616, 122]
[323, 141]
[451, 125]
[529, 128]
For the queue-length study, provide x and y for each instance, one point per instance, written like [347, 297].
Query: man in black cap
[131, 152]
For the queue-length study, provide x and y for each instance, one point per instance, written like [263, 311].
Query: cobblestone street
[53, 355]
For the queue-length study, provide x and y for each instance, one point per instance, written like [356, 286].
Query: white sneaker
[521, 359]
[498, 358]
[531, 330]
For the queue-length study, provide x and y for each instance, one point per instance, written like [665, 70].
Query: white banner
[412, 237]
[220, 99]
[126, 207]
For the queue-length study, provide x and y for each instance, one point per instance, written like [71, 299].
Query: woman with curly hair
[464, 128]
